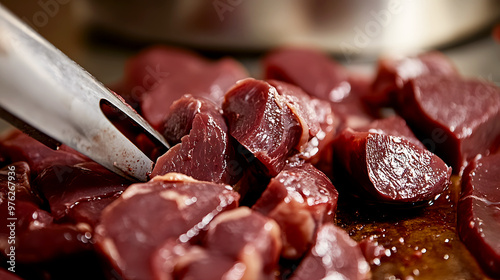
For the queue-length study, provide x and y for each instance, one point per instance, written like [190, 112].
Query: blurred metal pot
[345, 26]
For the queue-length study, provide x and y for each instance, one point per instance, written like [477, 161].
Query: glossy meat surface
[457, 118]
[388, 168]
[300, 199]
[134, 226]
[479, 212]
[260, 120]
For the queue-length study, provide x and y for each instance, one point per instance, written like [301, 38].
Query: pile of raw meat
[260, 168]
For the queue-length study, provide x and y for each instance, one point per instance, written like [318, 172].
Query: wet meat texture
[261, 121]
[20, 147]
[147, 215]
[158, 76]
[455, 118]
[183, 261]
[395, 126]
[22, 188]
[393, 73]
[387, 168]
[65, 187]
[249, 238]
[321, 77]
[479, 212]
[300, 199]
[206, 152]
[334, 255]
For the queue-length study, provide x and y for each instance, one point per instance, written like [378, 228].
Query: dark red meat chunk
[311, 70]
[387, 168]
[21, 185]
[321, 77]
[395, 126]
[6, 275]
[147, 215]
[20, 147]
[249, 238]
[393, 73]
[65, 187]
[158, 76]
[300, 199]
[261, 121]
[206, 153]
[183, 261]
[456, 118]
[479, 212]
[334, 256]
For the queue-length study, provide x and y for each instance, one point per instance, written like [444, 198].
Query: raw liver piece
[158, 76]
[334, 256]
[393, 73]
[311, 70]
[183, 261]
[146, 215]
[20, 147]
[456, 118]
[248, 237]
[206, 152]
[395, 126]
[479, 212]
[64, 187]
[387, 168]
[260, 120]
[300, 199]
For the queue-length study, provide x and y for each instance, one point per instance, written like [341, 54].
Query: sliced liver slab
[479, 212]
[456, 118]
[300, 199]
[334, 255]
[173, 206]
[261, 121]
[388, 168]
[205, 152]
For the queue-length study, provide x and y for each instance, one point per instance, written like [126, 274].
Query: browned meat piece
[393, 73]
[249, 238]
[479, 212]
[158, 76]
[334, 256]
[300, 199]
[77, 184]
[457, 118]
[146, 215]
[206, 153]
[387, 168]
[261, 121]
[20, 147]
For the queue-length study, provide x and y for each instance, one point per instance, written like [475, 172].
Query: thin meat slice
[387, 168]
[334, 256]
[457, 118]
[20, 147]
[300, 199]
[393, 73]
[206, 153]
[64, 186]
[248, 237]
[261, 121]
[173, 206]
[479, 212]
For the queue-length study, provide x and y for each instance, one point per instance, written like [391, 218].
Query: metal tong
[43, 90]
